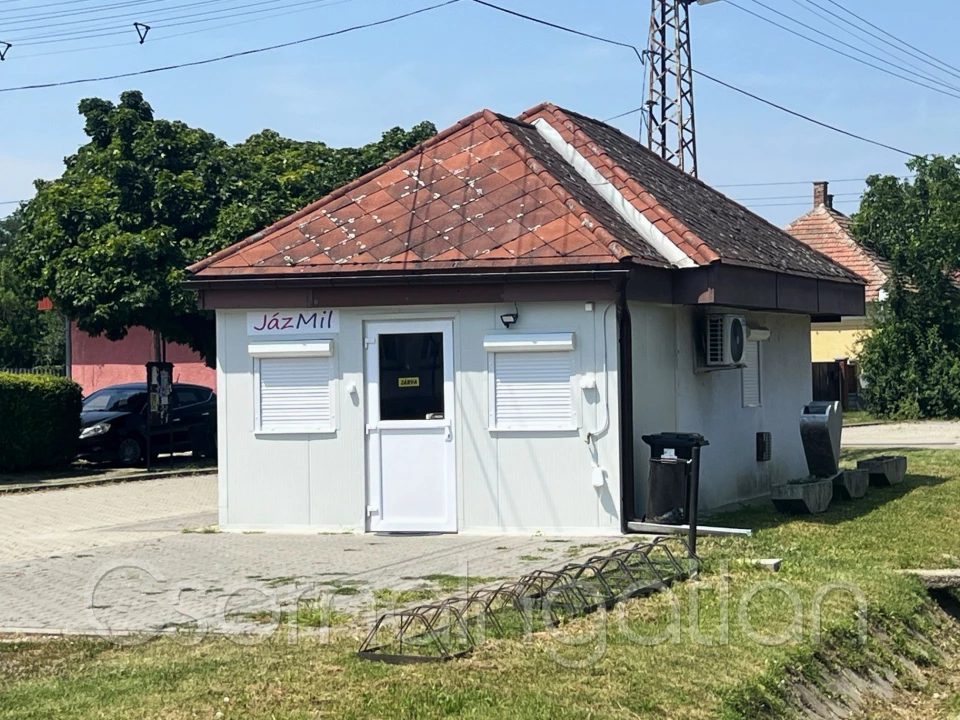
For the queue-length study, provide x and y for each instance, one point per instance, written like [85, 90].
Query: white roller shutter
[751, 375]
[532, 391]
[295, 394]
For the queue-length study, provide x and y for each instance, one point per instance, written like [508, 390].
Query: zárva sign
[409, 382]
[293, 322]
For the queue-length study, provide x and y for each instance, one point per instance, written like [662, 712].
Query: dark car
[113, 423]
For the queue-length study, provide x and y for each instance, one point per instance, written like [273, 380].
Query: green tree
[911, 360]
[108, 242]
[28, 337]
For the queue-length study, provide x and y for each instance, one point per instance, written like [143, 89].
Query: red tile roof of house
[491, 193]
[828, 231]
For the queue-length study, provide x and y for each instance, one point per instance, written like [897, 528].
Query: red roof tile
[472, 196]
[492, 193]
[828, 231]
[705, 224]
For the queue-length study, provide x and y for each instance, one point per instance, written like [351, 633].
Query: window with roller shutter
[532, 390]
[294, 394]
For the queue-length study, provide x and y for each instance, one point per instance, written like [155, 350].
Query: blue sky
[446, 64]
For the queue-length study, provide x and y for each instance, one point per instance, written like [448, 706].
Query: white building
[474, 337]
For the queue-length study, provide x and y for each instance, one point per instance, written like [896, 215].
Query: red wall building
[97, 362]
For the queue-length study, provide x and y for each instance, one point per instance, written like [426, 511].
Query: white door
[411, 458]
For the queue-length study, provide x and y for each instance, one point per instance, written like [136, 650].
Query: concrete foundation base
[886, 470]
[851, 484]
[803, 497]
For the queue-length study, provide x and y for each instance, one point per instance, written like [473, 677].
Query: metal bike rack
[452, 628]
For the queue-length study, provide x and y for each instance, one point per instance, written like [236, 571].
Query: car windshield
[116, 400]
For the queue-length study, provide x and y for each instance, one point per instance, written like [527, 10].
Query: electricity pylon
[671, 126]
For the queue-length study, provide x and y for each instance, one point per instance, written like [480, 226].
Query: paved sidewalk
[115, 559]
[928, 434]
[75, 476]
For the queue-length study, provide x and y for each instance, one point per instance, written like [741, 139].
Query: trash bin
[674, 480]
[821, 424]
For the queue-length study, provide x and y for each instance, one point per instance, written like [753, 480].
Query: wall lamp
[509, 319]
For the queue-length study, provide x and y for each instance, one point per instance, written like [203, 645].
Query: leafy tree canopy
[28, 337]
[912, 358]
[108, 242]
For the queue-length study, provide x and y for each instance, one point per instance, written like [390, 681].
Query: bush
[42, 418]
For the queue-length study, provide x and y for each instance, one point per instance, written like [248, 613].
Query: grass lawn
[702, 667]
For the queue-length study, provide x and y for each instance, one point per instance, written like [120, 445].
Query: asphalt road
[930, 434]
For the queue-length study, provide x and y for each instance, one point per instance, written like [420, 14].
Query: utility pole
[671, 126]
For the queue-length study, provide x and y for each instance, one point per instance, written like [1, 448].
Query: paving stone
[114, 560]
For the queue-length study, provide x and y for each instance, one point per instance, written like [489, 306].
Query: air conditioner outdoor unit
[726, 335]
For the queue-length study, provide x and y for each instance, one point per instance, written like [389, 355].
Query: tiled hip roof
[497, 194]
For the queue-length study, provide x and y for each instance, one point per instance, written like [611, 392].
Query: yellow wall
[829, 341]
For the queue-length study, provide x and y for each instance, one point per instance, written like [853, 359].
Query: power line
[155, 39]
[564, 29]
[706, 76]
[802, 116]
[230, 56]
[154, 21]
[793, 197]
[806, 5]
[624, 114]
[838, 52]
[893, 37]
[798, 182]
[33, 16]
[797, 204]
[918, 71]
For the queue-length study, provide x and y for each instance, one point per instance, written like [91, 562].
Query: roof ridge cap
[595, 227]
[708, 187]
[703, 253]
[335, 195]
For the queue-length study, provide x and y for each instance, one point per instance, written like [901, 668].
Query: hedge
[41, 417]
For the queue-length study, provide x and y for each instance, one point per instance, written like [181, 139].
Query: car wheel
[130, 452]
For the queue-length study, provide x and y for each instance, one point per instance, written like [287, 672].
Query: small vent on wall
[715, 340]
[764, 446]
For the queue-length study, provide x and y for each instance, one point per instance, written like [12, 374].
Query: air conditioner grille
[715, 340]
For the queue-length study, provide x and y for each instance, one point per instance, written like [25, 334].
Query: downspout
[625, 375]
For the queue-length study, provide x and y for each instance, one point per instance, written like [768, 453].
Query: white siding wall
[669, 395]
[507, 481]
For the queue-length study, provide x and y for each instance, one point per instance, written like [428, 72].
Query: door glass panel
[411, 376]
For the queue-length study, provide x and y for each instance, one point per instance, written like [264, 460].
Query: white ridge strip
[613, 197]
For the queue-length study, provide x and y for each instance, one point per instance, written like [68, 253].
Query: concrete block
[885, 470]
[802, 497]
[851, 484]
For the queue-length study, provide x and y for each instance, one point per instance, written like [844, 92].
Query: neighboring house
[834, 344]
[474, 337]
[96, 362]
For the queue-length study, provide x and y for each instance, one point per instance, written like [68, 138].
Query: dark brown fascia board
[716, 284]
[420, 289]
[748, 288]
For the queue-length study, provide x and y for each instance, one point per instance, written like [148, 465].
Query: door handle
[448, 433]
[372, 429]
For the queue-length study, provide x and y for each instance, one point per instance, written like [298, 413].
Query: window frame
[321, 350]
[497, 345]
